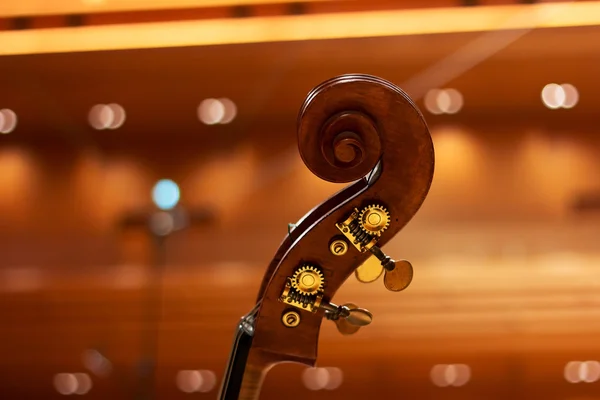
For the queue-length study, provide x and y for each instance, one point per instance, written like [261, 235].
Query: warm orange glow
[304, 27]
[211, 183]
[16, 179]
[458, 158]
[126, 187]
[37, 7]
[553, 169]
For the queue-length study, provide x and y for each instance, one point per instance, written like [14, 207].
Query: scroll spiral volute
[348, 145]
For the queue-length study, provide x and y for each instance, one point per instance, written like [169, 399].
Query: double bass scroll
[352, 128]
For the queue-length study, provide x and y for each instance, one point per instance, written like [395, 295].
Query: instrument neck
[246, 368]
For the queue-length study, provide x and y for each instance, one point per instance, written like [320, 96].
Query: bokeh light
[555, 96]
[443, 101]
[107, 116]
[84, 383]
[190, 381]
[431, 101]
[571, 95]
[336, 377]
[165, 194]
[162, 223]
[230, 111]
[65, 383]
[96, 363]
[211, 111]
[582, 371]
[209, 381]
[329, 378]
[118, 115]
[8, 121]
[217, 111]
[443, 375]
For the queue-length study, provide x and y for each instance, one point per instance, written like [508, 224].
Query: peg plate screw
[338, 247]
[291, 319]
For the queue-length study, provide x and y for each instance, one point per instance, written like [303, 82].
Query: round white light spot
[589, 371]
[450, 374]
[118, 116]
[553, 96]
[571, 372]
[437, 375]
[211, 111]
[443, 101]
[84, 383]
[162, 223]
[463, 374]
[336, 377]
[456, 101]
[95, 362]
[65, 383]
[165, 194]
[315, 378]
[8, 121]
[209, 381]
[230, 111]
[189, 381]
[430, 101]
[571, 95]
[101, 116]
[443, 375]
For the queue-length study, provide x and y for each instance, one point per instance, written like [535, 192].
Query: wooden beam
[300, 27]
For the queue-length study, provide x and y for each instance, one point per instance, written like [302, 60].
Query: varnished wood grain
[256, 369]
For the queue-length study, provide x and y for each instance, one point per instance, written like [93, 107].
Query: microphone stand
[153, 316]
[160, 226]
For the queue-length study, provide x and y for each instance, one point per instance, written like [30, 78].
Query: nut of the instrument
[338, 247]
[291, 319]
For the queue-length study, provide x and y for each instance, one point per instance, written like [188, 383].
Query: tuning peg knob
[398, 278]
[359, 316]
[369, 271]
[346, 328]
[348, 318]
[398, 274]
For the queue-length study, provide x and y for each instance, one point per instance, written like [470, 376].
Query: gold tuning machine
[348, 318]
[362, 229]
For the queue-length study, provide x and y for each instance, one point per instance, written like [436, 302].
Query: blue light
[165, 194]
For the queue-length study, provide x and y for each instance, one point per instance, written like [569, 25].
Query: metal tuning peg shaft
[397, 274]
[347, 318]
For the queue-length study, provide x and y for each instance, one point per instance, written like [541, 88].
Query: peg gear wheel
[374, 219]
[308, 280]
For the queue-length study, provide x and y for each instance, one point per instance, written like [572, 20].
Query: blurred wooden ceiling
[161, 89]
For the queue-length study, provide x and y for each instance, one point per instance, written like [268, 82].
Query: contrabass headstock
[352, 128]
